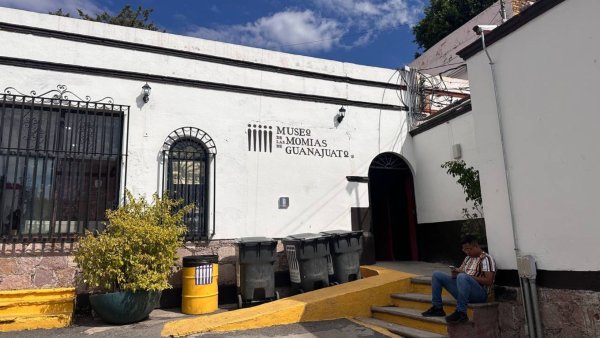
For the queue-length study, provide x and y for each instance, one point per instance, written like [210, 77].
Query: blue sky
[370, 32]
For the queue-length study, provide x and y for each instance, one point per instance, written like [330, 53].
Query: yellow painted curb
[342, 301]
[36, 309]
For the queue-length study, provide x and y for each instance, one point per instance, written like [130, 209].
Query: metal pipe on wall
[530, 322]
[525, 264]
[535, 307]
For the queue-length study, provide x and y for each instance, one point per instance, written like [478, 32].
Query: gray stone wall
[565, 313]
[32, 266]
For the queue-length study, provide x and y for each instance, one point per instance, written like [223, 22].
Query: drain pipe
[526, 278]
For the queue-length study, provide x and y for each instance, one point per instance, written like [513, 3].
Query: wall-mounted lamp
[341, 115]
[146, 90]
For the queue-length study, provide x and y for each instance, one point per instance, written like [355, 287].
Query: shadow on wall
[440, 242]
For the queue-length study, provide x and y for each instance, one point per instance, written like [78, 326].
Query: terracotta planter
[124, 307]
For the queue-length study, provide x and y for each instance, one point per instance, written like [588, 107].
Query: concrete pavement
[86, 327]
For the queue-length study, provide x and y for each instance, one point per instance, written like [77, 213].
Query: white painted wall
[439, 197]
[248, 183]
[547, 75]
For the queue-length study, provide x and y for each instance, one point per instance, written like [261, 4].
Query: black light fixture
[146, 90]
[341, 115]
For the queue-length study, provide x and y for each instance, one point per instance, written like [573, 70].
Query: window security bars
[188, 155]
[60, 164]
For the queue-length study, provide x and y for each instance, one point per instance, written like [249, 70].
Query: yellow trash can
[200, 277]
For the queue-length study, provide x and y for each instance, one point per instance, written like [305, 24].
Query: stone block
[65, 277]
[16, 282]
[26, 265]
[8, 266]
[227, 254]
[44, 278]
[54, 262]
[227, 274]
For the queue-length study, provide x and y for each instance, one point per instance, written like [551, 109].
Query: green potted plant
[127, 265]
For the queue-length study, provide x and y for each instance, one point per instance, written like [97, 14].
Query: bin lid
[305, 236]
[342, 233]
[192, 261]
[255, 240]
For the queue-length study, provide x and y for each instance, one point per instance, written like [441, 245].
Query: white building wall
[248, 184]
[439, 197]
[547, 73]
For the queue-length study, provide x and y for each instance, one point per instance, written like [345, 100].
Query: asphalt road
[94, 328]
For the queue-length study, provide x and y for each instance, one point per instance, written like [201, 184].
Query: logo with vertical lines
[260, 138]
[290, 251]
[204, 274]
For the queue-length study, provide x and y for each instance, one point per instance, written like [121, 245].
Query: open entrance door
[393, 210]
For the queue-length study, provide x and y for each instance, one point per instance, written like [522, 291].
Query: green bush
[468, 179]
[137, 251]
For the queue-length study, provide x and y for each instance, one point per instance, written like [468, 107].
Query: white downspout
[528, 287]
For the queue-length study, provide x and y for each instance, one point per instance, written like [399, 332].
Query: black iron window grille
[189, 162]
[61, 164]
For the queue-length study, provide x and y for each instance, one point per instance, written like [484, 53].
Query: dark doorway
[393, 210]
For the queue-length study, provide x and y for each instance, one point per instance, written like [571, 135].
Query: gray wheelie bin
[257, 277]
[345, 248]
[307, 258]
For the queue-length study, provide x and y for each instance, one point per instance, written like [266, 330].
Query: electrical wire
[444, 65]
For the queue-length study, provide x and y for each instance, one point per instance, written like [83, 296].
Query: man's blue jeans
[463, 288]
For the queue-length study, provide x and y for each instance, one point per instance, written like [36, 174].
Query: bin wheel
[277, 295]
[300, 291]
[240, 302]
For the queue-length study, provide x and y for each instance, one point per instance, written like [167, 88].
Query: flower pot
[124, 307]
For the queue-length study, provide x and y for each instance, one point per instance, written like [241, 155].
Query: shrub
[468, 179]
[137, 251]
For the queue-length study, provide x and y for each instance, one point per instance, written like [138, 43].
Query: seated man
[470, 283]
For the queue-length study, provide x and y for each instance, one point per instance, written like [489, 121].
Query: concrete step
[419, 301]
[422, 285]
[404, 331]
[421, 280]
[411, 318]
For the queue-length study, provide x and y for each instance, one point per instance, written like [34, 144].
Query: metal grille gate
[187, 180]
[60, 164]
[188, 172]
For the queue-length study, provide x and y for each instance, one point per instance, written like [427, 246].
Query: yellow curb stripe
[36, 309]
[342, 301]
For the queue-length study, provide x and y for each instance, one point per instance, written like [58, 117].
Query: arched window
[188, 174]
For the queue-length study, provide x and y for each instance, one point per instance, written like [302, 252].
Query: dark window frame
[80, 150]
[190, 145]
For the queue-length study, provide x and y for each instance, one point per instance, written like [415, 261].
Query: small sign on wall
[284, 202]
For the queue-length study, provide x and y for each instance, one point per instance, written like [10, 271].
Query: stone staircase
[404, 318]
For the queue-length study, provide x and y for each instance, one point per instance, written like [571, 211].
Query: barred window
[60, 165]
[189, 174]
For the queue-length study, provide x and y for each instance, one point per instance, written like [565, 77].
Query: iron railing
[60, 164]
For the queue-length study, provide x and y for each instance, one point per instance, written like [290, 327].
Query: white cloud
[329, 24]
[45, 6]
[287, 30]
[370, 17]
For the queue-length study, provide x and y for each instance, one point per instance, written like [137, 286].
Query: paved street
[87, 327]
